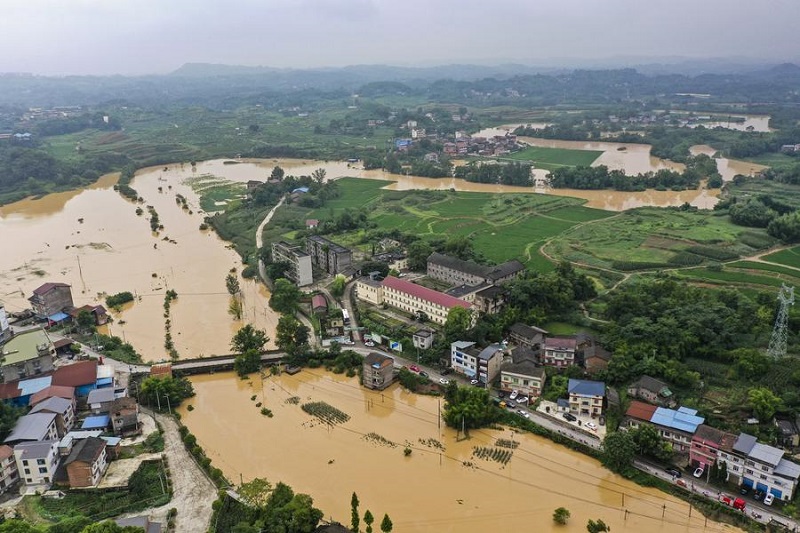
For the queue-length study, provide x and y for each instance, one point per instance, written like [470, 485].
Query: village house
[5, 326]
[327, 255]
[483, 365]
[300, 269]
[706, 444]
[142, 522]
[34, 427]
[97, 311]
[524, 377]
[559, 351]
[37, 462]
[524, 335]
[415, 299]
[86, 463]
[100, 400]
[378, 371]
[161, 371]
[125, 416]
[586, 397]
[81, 375]
[788, 435]
[651, 390]
[422, 339]
[677, 427]
[63, 409]
[26, 354]
[459, 272]
[50, 300]
[759, 466]
[8, 468]
[319, 305]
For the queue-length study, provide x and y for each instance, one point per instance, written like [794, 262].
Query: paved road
[260, 239]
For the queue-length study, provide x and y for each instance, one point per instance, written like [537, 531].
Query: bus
[346, 317]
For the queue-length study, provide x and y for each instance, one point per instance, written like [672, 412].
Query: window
[40, 461]
[25, 462]
[27, 470]
[42, 470]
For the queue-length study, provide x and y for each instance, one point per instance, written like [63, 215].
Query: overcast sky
[157, 36]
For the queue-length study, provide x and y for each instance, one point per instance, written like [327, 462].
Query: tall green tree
[86, 322]
[649, 442]
[249, 338]
[468, 407]
[459, 321]
[386, 524]
[619, 449]
[277, 173]
[369, 519]
[232, 284]
[764, 403]
[355, 518]
[597, 527]
[247, 362]
[291, 335]
[285, 296]
[561, 516]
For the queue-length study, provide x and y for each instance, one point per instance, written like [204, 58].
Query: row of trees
[502, 173]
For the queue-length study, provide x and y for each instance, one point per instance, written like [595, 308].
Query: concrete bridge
[221, 363]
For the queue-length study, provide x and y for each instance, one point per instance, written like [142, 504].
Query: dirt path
[260, 238]
[193, 492]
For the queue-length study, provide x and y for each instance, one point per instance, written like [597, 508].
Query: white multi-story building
[300, 269]
[415, 299]
[8, 468]
[759, 466]
[483, 365]
[37, 461]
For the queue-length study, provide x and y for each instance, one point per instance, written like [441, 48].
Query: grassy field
[550, 158]
[789, 257]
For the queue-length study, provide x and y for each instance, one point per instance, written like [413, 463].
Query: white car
[698, 472]
[522, 399]
[369, 344]
[523, 412]
[591, 425]
[444, 381]
[513, 395]
[769, 498]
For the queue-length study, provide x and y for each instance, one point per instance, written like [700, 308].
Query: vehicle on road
[570, 417]
[369, 344]
[522, 399]
[736, 503]
[444, 381]
[514, 395]
[769, 498]
[511, 404]
[446, 371]
[698, 472]
[475, 382]
[414, 368]
[523, 412]
[758, 495]
[745, 491]
[423, 374]
[674, 472]
[591, 425]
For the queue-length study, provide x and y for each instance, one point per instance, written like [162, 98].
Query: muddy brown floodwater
[93, 240]
[435, 489]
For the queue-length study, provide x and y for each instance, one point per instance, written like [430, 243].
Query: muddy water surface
[432, 490]
[93, 240]
[728, 168]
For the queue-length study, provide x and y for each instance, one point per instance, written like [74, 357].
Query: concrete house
[125, 416]
[63, 409]
[369, 290]
[34, 427]
[423, 339]
[100, 400]
[378, 371]
[414, 299]
[37, 462]
[559, 351]
[26, 354]
[459, 272]
[677, 427]
[586, 397]
[300, 269]
[651, 390]
[327, 255]
[761, 467]
[8, 468]
[82, 376]
[54, 391]
[50, 299]
[86, 463]
[706, 444]
[483, 365]
[524, 377]
[524, 335]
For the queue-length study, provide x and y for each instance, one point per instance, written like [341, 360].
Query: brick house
[524, 377]
[51, 298]
[586, 397]
[524, 335]
[87, 462]
[8, 468]
[378, 371]
[125, 416]
[559, 351]
[706, 443]
[651, 390]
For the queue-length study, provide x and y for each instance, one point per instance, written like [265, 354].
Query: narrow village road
[193, 493]
[260, 239]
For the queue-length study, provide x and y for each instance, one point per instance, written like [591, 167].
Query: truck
[736, 503]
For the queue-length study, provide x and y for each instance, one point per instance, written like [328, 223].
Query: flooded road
[728, 168]
[440, 487]
[94, 240]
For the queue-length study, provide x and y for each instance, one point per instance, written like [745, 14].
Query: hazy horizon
[133, 37]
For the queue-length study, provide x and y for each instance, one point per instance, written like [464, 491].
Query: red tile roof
[560, 343]
[6, 451]
[318, 300]
[47, 287]
[9, 390]
[641, 410]
[424, 293]
[52, 391]
[75, 375]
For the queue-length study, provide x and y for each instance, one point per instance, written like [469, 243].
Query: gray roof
[101, 396]
[32, 427]
[766, 454]
[491, 292]
[34, 450]
[490, 351]
[86, 451]
[53, 405]
[462, 345]
[651, 384]
[523, 353]
[468, 267]
[744, 443]
[525, 368]
[378, 360]
[140, 521]
[423, 333]
[562, 402]
[464, 290]
[505, 269]
[788, 469]
[527, 331]
[336, 248]
[586, 388]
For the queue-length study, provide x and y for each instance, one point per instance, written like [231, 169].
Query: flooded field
[440, 487]
[94, 240]
[728, 168]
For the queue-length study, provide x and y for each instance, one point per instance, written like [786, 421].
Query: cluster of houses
[748, 463]
[462, 144]
[53, 302]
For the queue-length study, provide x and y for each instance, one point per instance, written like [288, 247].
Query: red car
[414, 368]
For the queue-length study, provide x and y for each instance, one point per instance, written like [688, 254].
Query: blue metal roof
[96, 422]
[301, 189]
[58, 317]
[684, 419]
[104, 381]
[34, 385]
[586, 388]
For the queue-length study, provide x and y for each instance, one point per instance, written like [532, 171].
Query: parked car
[514, 395]
[444, 381]
[758, 495]
[500, 394]
[591, 425]
[414, 368]
[698, 472]
[511, 404]
[523, 412]
[423, 374]
[744, 491]
[570, 417]
[369, 344]
[769, 498]
[674, 472]
[522, 399]
[446, 371]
